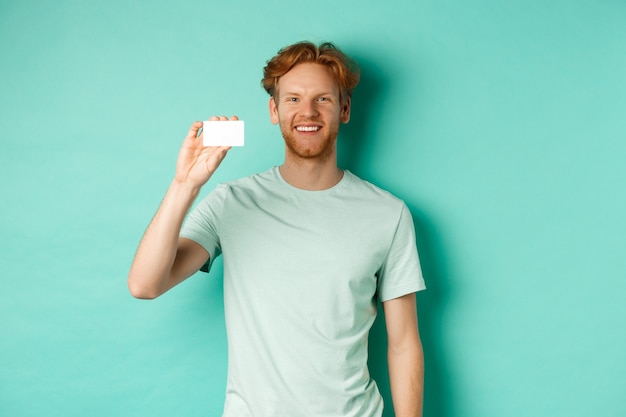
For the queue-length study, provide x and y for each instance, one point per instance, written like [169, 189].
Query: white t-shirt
[302, 273]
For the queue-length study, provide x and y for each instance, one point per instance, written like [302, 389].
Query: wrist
[184, 190]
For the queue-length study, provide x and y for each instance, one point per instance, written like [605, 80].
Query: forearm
[150, 271]
[406, 376]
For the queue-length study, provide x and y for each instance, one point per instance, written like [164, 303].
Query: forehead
[308, 78]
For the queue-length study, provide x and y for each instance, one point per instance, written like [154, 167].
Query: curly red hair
[346, 70]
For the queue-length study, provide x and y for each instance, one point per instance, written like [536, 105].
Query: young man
[308, 250]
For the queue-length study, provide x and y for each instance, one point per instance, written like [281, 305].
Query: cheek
[286, 113]
[334, 114]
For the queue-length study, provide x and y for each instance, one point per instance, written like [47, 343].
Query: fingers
[222, 118]
[211, 150]
[193, 130]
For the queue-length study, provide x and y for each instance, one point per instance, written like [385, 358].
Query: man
[308, 250]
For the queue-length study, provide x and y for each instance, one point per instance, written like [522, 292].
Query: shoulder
[369, 191]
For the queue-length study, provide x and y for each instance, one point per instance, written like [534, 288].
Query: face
[309, 112]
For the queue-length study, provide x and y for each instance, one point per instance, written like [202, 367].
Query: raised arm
[405, 356]
[163, 259]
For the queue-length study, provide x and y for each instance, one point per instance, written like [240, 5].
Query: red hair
[346, 70]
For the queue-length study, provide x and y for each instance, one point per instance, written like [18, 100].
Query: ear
[345, 112]
[273, 111]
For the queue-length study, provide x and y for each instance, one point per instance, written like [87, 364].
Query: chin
[325, 149]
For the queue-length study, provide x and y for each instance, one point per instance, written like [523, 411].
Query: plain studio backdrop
[502, 124]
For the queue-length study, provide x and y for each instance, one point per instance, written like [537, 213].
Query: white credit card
[222, 133]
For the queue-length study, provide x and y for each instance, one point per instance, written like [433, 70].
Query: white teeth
[307, 128]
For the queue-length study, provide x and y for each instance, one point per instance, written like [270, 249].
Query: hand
[196, 162]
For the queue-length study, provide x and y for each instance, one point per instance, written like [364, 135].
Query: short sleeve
[401, 272]
[202, 224]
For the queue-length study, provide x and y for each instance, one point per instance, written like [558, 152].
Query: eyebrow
[293, 93]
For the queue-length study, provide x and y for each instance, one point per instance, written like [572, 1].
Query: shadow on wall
[368, 102]
[437, 391]
[355, 136]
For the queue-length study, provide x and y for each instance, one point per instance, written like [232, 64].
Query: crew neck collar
[342, 181]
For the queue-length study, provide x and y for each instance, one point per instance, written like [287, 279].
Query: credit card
[223, 133]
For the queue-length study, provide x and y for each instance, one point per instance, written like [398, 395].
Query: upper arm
[401, 322]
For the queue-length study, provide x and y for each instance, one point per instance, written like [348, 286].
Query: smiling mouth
[308, 128]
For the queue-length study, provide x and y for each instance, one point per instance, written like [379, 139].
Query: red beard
[319, 146]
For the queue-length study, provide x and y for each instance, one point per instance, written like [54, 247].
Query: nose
[309, 109]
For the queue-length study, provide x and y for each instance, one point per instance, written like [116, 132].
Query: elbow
[139, 291]
[410, 345]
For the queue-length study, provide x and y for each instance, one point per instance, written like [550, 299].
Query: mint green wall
[500, 123]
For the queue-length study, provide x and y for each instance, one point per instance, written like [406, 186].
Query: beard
[321, 147]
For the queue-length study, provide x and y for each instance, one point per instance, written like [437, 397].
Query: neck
[311, 175]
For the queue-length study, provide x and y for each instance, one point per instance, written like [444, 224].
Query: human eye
[291, 99]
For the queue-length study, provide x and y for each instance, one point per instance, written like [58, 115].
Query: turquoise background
[500, 123]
